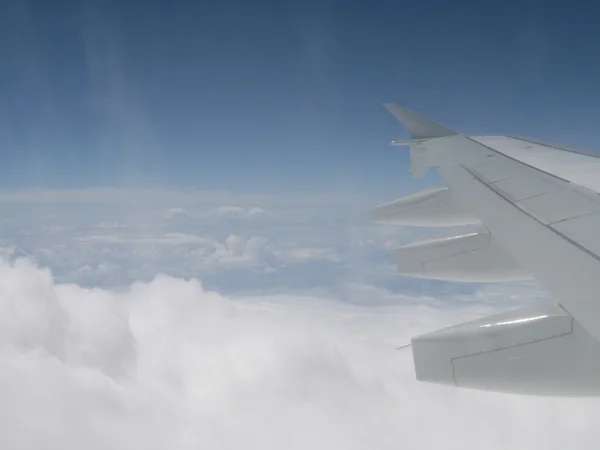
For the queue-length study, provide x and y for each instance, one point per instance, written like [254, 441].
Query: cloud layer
[230, 242]
[168, 364]
[236, 323]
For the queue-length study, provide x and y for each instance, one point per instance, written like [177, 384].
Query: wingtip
[417, 126]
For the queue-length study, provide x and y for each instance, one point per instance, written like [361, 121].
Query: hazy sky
[271, 95]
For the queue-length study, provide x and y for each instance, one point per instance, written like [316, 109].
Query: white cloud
[308, 254]
[231, 209]
[288, 342]
[237, 251]
[168, 364]
[172, 212]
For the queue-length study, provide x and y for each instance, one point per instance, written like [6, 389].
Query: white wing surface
[539, 207]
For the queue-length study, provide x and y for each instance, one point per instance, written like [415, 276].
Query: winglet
[418, 127]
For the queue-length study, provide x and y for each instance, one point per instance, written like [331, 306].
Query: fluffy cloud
[287, 342]
[168, 364]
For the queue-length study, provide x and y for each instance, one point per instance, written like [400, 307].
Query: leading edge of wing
[417, 126]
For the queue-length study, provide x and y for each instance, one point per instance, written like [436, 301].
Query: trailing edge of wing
[418, 127]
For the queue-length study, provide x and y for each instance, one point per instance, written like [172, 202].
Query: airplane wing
[537, 208]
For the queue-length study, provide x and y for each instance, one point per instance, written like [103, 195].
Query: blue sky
[277, 96]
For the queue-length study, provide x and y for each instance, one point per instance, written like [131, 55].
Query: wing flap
[538, 350]
[434, 207]
[473, 257]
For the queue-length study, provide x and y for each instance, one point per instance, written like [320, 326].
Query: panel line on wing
[519, 162]
[530, 197]
[574, 217]
[554, 146]
[519, 344]
[494, 189]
